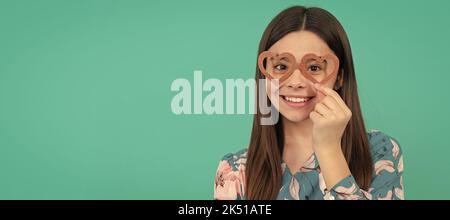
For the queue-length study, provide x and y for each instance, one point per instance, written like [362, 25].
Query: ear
[339, 80]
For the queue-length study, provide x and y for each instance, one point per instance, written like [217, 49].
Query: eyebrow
[285, 59]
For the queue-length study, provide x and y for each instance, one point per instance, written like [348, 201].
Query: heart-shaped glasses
[317, 69]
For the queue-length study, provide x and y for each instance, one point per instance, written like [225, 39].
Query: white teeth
[296, 99]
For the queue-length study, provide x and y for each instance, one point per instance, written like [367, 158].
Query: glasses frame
[302, 66]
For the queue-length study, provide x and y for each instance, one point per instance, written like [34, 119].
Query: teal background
[85, 91]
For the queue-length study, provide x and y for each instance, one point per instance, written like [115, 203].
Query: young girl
[319, 149]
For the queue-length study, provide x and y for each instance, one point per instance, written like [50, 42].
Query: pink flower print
[387, 197]
[322, 184]
[399, 190]
[400, 164]
[283, 167]
[399, 193]
[242, 178]
[294, 188]
[348, 193]
[366, 194]
[395, 149]
[309, 165]
[384, 165]
[227, 182]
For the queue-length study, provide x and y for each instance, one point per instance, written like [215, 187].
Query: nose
[296, 80]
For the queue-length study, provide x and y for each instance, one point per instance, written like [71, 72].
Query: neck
[297, 141]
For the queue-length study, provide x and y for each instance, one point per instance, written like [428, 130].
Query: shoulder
[386, 152]
[230, 176]
[236, 159]
[382, 145]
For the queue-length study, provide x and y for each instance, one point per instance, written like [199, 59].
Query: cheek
[330, 83]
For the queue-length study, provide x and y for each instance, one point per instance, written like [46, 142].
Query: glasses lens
[319, 68]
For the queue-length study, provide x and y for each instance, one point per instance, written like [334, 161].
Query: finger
[335, 95]
[323, 110]
[330, 92]
[314, 116]
[333, 105]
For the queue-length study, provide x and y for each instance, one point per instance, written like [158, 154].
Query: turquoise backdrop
[85, 91]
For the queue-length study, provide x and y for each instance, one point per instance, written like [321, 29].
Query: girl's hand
[330, 117]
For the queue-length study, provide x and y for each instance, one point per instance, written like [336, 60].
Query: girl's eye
[280, 67]
[314, 68]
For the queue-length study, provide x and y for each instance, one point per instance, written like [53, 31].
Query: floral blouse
[308, 183]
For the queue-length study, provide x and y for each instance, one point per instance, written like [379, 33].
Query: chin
[295, 117]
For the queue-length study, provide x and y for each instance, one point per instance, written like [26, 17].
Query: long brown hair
[263, 166]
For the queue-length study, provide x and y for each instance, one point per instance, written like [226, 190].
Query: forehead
[300, 43]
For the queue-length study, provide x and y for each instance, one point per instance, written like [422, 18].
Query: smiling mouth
[293, 99]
